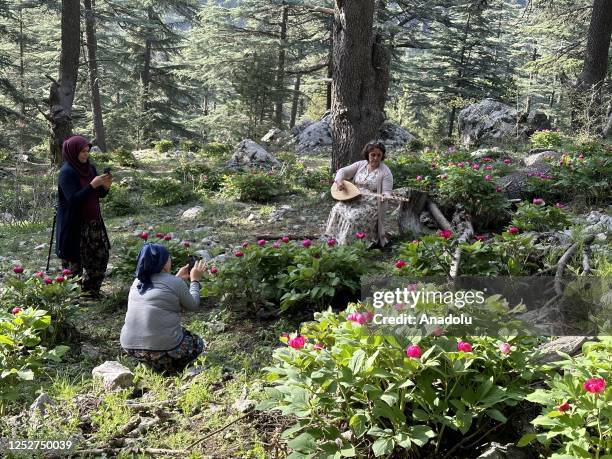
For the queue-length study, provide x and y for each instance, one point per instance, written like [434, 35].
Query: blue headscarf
[151, 260]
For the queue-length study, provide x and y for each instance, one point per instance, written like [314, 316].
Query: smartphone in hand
[107, 170]
[192, 261]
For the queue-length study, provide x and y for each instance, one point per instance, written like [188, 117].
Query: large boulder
[490, 121]
[250, 155]
[543, 158]
[315, 137]
[394, 136]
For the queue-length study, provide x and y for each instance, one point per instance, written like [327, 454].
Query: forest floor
[182, 409]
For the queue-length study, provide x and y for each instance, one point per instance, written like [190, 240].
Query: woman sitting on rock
[364, 214]
[152, 332]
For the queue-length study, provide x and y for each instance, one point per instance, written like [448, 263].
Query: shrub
[355, 393]
[21, 355]
[120, 201]
[215, 149]
[166, 192]
[125, 266]
[539, 217]
[201, 176]
[576, 420]
[407, 168]
[475, 190]
[58, 296]
[505, 254]
[189, 145]
[288, 275]
[546, 139]
[124, 158]
[163, 146]
[254, 186]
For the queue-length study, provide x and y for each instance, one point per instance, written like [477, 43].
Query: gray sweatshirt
[153, 320]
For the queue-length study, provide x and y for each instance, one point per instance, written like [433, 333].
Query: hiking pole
[51, 241]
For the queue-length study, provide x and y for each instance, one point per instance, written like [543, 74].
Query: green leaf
[526, 439]
[421, 434]
[26, 375]
[358, 423]
[348, 451]
[357, 361]
[304, 443]
[497, 415]
[383, 446]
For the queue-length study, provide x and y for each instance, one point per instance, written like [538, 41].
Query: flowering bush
[539, 217]
[475, 190]
[288, 274]
[546, 139]
[504, 254]
[360, 394]
[252, 186]
[58, 296]
[21, 354]
[576, 420]
[407, 168]
[128, 254]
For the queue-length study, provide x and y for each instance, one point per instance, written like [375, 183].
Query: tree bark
[360, 80]
[595, 67]
[61, 93]
[280, 69]
[92, 46]
[295, 101]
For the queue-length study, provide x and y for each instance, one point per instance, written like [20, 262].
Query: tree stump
[409, 213]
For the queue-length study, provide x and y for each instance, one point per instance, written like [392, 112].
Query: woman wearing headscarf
[82, 242]
[152, 332]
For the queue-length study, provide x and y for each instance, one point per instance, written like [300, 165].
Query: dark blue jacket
[70, 199]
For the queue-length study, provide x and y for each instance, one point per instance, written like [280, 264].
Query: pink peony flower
[67, 272]
[560, 205]
[487, 159]
[297, 343]
[464, 346]
[537, 202]
[16, 311]
[276, 244]
[488, 177]
[214, 270]
[144, 235]
[446, 234]
[480, 237]
[368, 315]
[60, 279]
[238, 253]
[285, 239]
[438, 331]
[488, 167]
[595, 385]
[419, 178]
[461, 164]
[39, 274]
[399, 264]
[331, 242]
[17, 269]
[360, 235]
[186, 244]
[159, 235]
[318, 347]
[48, 280]
[357, 317]
[261, 242]
[476, 166]
[513, 230]
[306, 243]
[245, 245]
[444, 176]
[414, 352]
[167, 237]
[564, 407]
[150, 228]
[398, 306]
[498, 189]
[507, 161]
[580, 156]
[504, 348]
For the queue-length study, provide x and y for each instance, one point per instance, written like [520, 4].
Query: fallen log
[409, 213]
[438, 215]
[462, 222]
[565, 259]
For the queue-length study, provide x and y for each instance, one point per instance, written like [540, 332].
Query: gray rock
[250, 155]
[251, 217]
[571, 345]
[220, 258]
[6, 217]
[41, 403]
[90, 351]
[394, 135]
[95, 149]
[202, 229]
[299, 128]
[129, 183]
[192, 213]
[113, 374]
[315, 136]
[490, 121]
[494, 152]
[280, 213]
[40, 247]
[544, 157]
[204, 255]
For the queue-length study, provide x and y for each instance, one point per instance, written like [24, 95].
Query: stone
[280, 213]
[490, 121]
[6, 217]
[204, 255]
[40, 247]
[202, 229]
[251, 217]
[494, 152]
[129, 183]
[90, 351]
[394, 136]
[95, 149]
[315, 137]
[113, 374]
[192, 213]
[249, 154]
[571, 345]
[41, 403]
[544, 157]
[243, 404]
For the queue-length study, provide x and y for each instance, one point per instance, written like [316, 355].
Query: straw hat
[350, 191]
